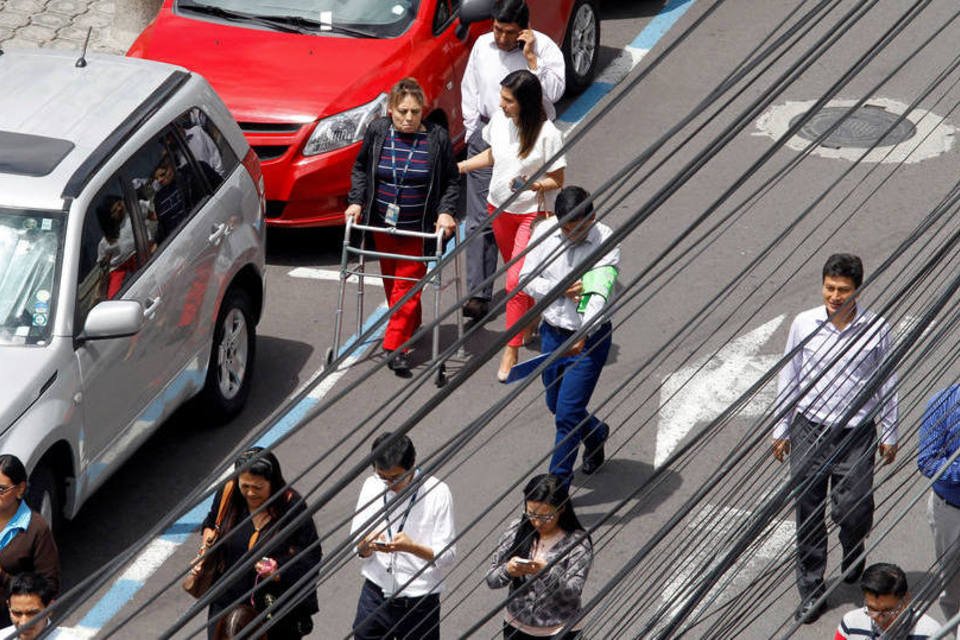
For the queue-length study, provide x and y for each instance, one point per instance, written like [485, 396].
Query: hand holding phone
[524, 38]
[517, 183]
[380, 544]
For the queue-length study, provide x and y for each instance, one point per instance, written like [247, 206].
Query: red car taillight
[252, 164]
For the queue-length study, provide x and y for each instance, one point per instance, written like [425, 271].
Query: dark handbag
[204, 569]
[235, 621]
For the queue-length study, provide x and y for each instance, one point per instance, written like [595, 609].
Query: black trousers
[838, 461]
[482, 252]
[379, 618]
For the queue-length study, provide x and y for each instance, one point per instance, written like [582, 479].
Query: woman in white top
[521, 141]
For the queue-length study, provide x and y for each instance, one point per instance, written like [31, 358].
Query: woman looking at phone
[521, 140]
[260, 505]
[547, 532]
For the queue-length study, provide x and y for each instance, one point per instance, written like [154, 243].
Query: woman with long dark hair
[26, 542]
[522, 140]
[548, 533]
[259, 505]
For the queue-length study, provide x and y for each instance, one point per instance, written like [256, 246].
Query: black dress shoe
[593, 459]
[848, 560]
[475, 308]
[807, 613]
[400, 365]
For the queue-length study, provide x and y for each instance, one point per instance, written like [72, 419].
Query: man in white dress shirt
[836, 349]
[511, 46]
[561, 246]
[404, 521]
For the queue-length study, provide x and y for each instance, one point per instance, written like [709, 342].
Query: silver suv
[131, 262]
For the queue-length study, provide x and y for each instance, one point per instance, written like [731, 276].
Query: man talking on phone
[511, 46]
[404, 522]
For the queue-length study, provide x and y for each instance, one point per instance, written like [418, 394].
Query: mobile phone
[521, 44]
[525, 561]
[380, 544]
[517, 183]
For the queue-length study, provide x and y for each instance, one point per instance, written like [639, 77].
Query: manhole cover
[863, 129]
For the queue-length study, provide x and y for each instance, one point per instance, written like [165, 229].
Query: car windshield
[30, 244]
[380, 18]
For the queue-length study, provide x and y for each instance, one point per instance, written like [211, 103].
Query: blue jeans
[570, 382]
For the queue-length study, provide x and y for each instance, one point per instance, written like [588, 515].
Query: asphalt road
[297, 328]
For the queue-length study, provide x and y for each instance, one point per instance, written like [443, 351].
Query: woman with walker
[404, 177]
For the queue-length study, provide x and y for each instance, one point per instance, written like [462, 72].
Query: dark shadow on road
[629, 9]
[170, 464]
[615, 481]
[300, 247]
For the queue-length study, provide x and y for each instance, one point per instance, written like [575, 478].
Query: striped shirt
[857, 625]
[403, 177]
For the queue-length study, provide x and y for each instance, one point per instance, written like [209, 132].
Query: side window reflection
[213, 155]
[108, 250]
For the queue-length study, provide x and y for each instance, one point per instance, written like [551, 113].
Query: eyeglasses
[541, 517]
[892, 612]
[5, 490]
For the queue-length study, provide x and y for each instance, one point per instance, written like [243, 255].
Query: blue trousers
[570, 383]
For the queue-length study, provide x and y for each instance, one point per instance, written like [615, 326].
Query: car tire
[231, 358]
[45, 496]
[581, 45]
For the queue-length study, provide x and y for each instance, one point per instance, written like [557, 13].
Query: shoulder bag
[204, 573]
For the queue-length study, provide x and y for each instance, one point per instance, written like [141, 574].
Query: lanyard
[393, 156]
[406, 513]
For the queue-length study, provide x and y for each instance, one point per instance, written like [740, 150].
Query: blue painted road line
[133, 579]
[157, 552]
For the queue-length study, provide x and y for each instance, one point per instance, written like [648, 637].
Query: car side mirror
[113, 319]
[473, 11]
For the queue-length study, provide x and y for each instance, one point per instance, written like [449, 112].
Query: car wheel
[44, 495]
[581, 46]
[231, 358]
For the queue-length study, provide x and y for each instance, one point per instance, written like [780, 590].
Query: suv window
[215, 158]
[167, 186]
[109, 255]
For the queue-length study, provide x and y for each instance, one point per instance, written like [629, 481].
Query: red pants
[407, 318]
[512, 231]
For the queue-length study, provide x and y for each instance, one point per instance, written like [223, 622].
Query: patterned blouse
[403, 177]
[551, 598]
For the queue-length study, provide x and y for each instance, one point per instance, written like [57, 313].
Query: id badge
[392, 214]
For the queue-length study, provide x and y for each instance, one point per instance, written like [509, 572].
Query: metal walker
[434, 277]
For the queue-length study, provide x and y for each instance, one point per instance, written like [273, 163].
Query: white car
[131, 262]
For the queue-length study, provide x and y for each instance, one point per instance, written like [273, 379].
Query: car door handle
[151, 307]
[217, 233]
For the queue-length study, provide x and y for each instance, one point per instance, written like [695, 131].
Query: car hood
[25, 373]
[271, 76]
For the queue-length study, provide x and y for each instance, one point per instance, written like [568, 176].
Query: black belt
[569, 332]
[947, 502]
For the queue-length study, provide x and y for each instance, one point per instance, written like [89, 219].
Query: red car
[303, 81]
